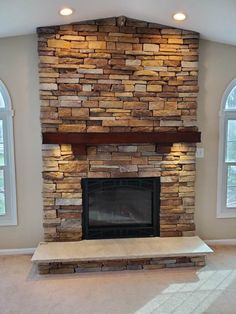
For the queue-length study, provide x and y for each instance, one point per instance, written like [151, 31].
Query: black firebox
[121, 207]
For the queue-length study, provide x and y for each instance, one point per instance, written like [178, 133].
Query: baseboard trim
[221, 242]
[17, 251]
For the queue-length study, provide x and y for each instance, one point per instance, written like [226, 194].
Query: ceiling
[213, 19]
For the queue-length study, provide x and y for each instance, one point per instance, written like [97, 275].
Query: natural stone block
[64, 112]
[53, 175]
[141, 113]
[140, 88]
[88, 269]
[70, 226]
[62, 270]
[48, 86]
[145, 73]
[55, 43]
[128, 168]
[80, 113]
[113, 268]
[123, 46]
[134, 267]
[134, 122]
[51, 222]
[135, 62]
[89, 71]
[73, 38]
[156, 105]
[73, 166]
[97, 45]
[50, 165]
[171, 123]
[152, 266]
[93, 129]
[127, 148]
[68, 201]
[111, 104]
[79, 45]
[85, 28]
[49, 187]
[154, 88]
[87, 88]
[188, 64]
[135, 105]
[175, 41]
[72, 128]
[115, 123]
[70, 87]
[49, 59]
[164, 113]
[151, 47]
[152, 63]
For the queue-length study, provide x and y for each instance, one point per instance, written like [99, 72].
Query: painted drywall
[18, 70]
[217, 69]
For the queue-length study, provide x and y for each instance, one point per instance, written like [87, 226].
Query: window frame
[224, 117]
[6, 115]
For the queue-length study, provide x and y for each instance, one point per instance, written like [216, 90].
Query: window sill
[8, 222]
[225, 214]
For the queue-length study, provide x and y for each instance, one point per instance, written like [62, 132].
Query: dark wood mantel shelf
[163, 140]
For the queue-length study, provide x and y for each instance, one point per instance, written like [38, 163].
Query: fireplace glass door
[120, 207]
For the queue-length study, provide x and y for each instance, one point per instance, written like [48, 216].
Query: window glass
[231, 187]
[1, 144]
[231, 100]
[2, 103]
[231, 141]
[2, 195]
[7, 166]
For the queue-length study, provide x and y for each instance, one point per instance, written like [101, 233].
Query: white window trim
[224, 116]
[6, 115]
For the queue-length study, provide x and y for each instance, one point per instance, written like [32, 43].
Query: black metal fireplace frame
[127, 230]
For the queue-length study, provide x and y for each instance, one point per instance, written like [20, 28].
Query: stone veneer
[118, 75]
[123, 264]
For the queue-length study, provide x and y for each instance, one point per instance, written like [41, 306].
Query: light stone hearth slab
[114, 249]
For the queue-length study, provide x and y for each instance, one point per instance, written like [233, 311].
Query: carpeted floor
[211, 289]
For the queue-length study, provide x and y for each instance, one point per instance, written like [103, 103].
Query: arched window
[226, 197]
[7, 165]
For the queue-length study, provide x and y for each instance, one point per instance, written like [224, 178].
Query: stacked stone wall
[117, 75]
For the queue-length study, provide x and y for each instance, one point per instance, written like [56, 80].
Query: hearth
[120, 207]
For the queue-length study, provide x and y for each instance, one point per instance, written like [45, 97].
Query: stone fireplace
[117, 75]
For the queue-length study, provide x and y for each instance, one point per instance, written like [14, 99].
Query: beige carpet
[211, 289]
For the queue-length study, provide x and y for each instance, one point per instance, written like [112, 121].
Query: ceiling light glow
[179, 16]
[66, 11]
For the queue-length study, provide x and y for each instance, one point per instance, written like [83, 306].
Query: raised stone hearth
[117, 75]
[120, 254]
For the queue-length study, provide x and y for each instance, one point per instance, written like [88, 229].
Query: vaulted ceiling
[213, 19]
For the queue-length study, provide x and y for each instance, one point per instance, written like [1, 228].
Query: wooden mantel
[79, 141]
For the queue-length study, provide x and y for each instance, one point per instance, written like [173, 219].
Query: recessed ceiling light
[66, 11]
[180, 16]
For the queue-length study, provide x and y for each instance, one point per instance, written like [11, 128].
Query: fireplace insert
[120, 207]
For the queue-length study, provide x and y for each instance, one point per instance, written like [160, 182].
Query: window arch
[7, 164]
[226, 196]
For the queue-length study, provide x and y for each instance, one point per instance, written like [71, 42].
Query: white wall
[18, 70]
[217, 69]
